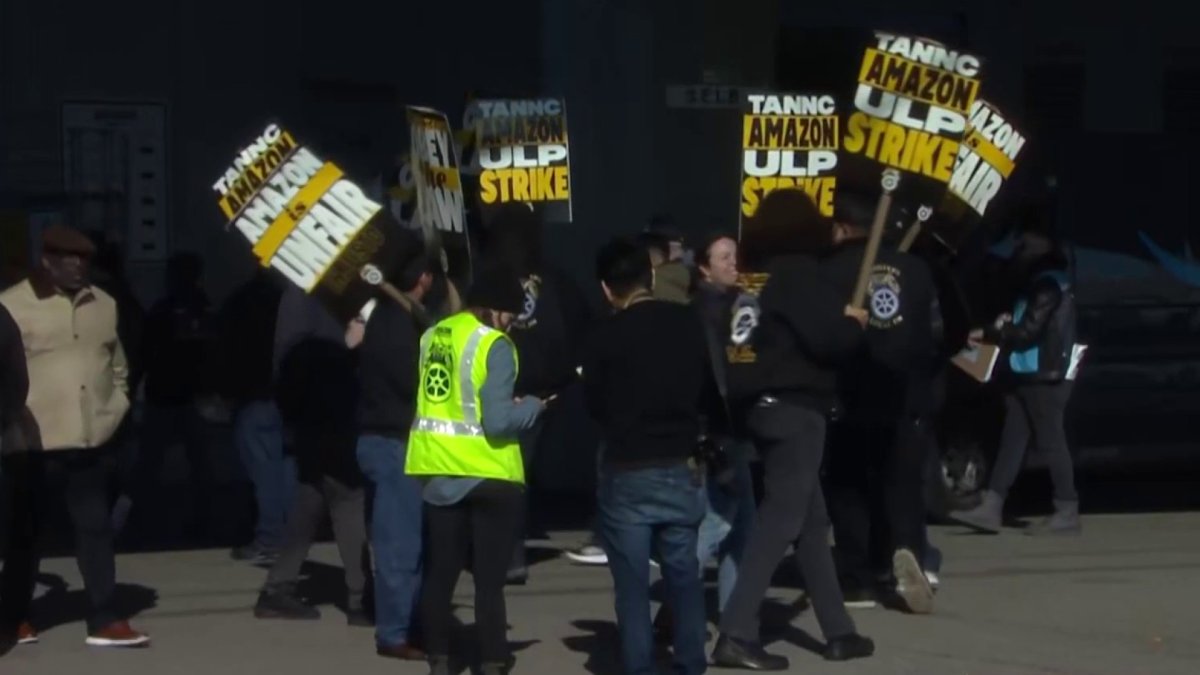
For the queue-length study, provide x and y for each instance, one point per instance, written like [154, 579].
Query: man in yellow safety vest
[464, 444]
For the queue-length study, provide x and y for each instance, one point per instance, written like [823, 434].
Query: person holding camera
[648, 383]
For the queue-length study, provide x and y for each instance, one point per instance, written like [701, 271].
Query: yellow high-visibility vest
[447, 437]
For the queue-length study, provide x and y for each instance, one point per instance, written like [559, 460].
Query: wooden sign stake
[890, 181]
[914, 230]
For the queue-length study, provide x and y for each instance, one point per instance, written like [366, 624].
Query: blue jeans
[258, 434]
[638, 510]
[396, 524]
[728, 519]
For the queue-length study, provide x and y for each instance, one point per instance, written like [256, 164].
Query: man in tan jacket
[78, 395]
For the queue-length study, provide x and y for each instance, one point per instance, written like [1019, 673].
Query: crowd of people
[738, 421]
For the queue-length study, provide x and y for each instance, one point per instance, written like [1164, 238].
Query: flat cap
[62, 239]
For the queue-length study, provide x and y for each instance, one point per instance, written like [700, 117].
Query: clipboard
[978, 362]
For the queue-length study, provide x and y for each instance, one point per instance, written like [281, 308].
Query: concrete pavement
[1121, 600]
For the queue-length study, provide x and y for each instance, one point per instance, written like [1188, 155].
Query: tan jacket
[672, 282]
[78, 376]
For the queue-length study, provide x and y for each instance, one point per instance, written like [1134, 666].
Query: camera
[713, 455]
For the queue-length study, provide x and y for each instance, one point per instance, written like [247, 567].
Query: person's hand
[354, 333]
[540, 403]
[858, 314]
[1003, 319]
[975, 337]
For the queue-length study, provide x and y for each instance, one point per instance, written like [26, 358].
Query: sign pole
[890, 181]
[914, 230]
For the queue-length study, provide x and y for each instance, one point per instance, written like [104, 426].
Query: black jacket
[803, 336]
[14, 378]
[894, 376]
[1039, 341]
[715, 306]
[548, 333]
[388, 365]
[247, 326]
[648, 383]
[180, 340]
[316, 383]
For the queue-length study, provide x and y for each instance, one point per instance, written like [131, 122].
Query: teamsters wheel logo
[891, 180]
[885, 304]
[371, 274]
[437, 383]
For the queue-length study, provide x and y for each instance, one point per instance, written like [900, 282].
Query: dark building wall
[338, 76]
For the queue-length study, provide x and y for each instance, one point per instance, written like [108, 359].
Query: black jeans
[876, 494]
[83, 477]
[1036, 411]
[791, 440]
[486, 521]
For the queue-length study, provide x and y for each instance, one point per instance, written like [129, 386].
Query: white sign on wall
[705, 96]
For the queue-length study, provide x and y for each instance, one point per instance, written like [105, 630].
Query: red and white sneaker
[26, 635]
[118, 634]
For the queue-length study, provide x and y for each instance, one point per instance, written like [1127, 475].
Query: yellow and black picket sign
[266, 247]
[523, 149]
[304, 219]
[788, 142]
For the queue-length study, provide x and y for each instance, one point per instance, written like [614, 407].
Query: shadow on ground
[63, 605]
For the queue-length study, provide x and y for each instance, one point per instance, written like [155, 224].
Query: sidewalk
[1119, 601]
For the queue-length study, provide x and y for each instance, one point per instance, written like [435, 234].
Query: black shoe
[734, 653]
[8, 639]
[518, 576]
[852, 646]
[283, 603]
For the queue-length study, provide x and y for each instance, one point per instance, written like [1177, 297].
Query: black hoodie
[894, 377]
[803, 335]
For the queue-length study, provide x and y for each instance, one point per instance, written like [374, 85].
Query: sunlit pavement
[1123, 599]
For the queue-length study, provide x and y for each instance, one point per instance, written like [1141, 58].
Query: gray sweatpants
[346, 506]
[1035, 411]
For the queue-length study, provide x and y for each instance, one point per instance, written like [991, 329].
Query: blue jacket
[1041, 337]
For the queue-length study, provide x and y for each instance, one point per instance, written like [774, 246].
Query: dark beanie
[497, 288]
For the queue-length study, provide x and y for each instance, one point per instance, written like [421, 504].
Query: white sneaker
[588, 554]
[934, 580]
[911, 583]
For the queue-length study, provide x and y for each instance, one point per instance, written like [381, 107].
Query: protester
[317, 394]
[108, 273]
[1038, 341]
[880, 444]
[729, 509]
[247, 322]
[672, 278]
[672, 283]
[78, 397]
[648, 381]
[180, 336]
[546, 332]
[464, 444]
[804, 331]
[14, 380]
[389, 360]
